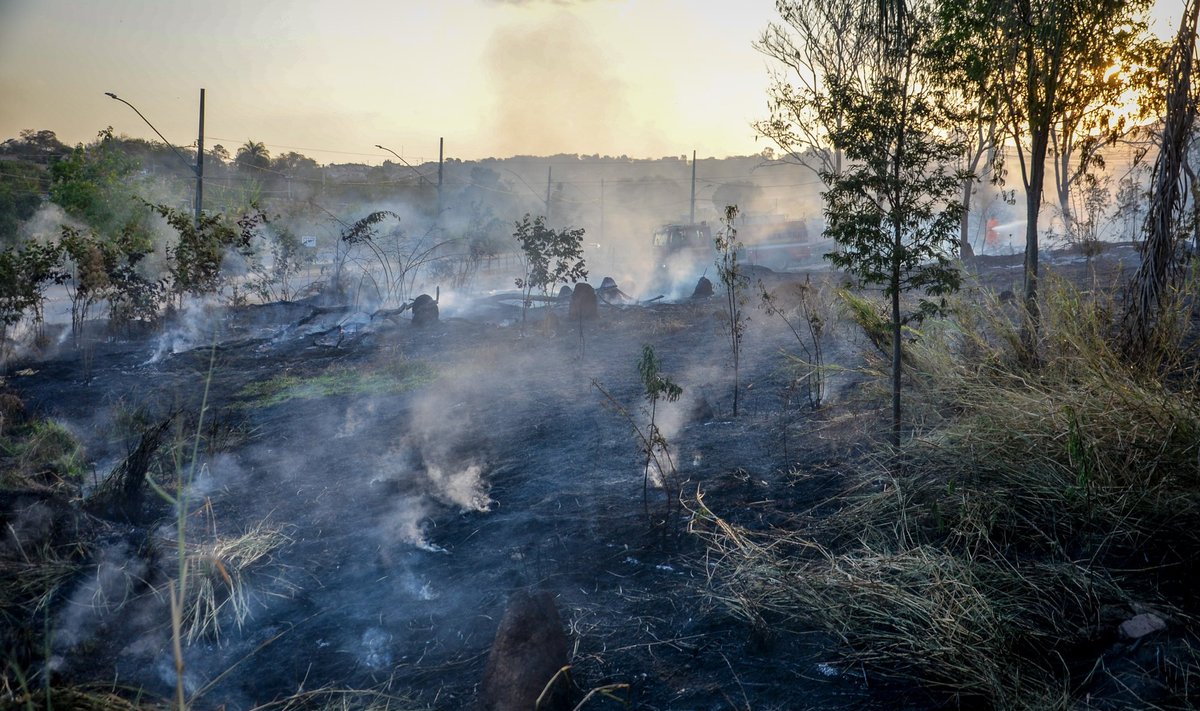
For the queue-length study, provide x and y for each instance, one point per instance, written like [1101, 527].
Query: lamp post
[198, 169]
[410, 165]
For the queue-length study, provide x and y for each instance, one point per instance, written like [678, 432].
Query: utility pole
[604, 245]
[602, 211]
[198, 169]
[200, 162]
[441, 148]
[549, 172]
[692, 218]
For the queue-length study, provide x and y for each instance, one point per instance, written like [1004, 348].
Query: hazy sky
[645, 78]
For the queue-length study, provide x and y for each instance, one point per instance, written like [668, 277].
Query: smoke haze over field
[552, 82]
[334, 81]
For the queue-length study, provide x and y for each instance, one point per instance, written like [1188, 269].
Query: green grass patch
[42, 451]
[394, 377]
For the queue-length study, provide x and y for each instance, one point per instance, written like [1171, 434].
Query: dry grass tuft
[1080, 453]
[217, 570]
[79, 698]
[331, 699]
[1031, 495]
[33, 575]
[950, 623]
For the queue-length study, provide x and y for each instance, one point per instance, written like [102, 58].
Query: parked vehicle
[767, 240]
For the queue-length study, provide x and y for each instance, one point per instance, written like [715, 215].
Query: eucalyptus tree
[1169, 187]
[815, 43]
[1045, 66]
[893, 210]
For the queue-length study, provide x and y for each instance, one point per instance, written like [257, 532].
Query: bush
[550, 258]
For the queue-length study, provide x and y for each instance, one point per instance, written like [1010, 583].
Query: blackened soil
[413, 514]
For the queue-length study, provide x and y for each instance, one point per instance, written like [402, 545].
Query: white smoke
[195, 325]
[463, 487]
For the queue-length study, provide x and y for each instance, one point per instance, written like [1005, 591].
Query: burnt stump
[424, 310]
[584, 305]
[530, 648]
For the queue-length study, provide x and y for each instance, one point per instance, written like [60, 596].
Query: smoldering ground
[413, 507]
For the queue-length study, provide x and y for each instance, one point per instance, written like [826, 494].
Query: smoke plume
[552, 88]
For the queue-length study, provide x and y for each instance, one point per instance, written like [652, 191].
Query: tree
[293, 163]
[550, 258]
[1089, 203]
[92, 184]
[1132, 196]
[21, 188]
[1095, 117]
[194, 262]
[35, 146]
[892, 212]
[285, 260]
[218, 155]
[483, 237]
[91, 258]
[399, 254]
[971, 116]
[658, 464]
[1043, 66]
[25, 274]
[106, 269]
[807, 321]
[253, 156]
[819, 42]
[734, 282]
[655, 387]
[1168, 196]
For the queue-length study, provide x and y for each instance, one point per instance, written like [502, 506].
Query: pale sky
[644, 78]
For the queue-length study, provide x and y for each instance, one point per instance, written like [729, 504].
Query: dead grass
[923, 615]
[333, 699]
[33, 575]
[217, 587]
[1081, 453]
[87, 697]
[1029, 496]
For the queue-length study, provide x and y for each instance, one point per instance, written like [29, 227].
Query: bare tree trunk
[1062, 180]
[1033, 205]
[1148, 290]
[896, 343]
[897, 246]
[964, 229]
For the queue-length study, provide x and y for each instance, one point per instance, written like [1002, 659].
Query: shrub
[550, 258]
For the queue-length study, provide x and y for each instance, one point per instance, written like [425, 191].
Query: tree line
[902, 107]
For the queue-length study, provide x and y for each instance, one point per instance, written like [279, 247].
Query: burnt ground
[412, 515]
[396, 572]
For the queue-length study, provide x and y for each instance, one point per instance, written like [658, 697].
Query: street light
[198, 169]
[410, 165]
